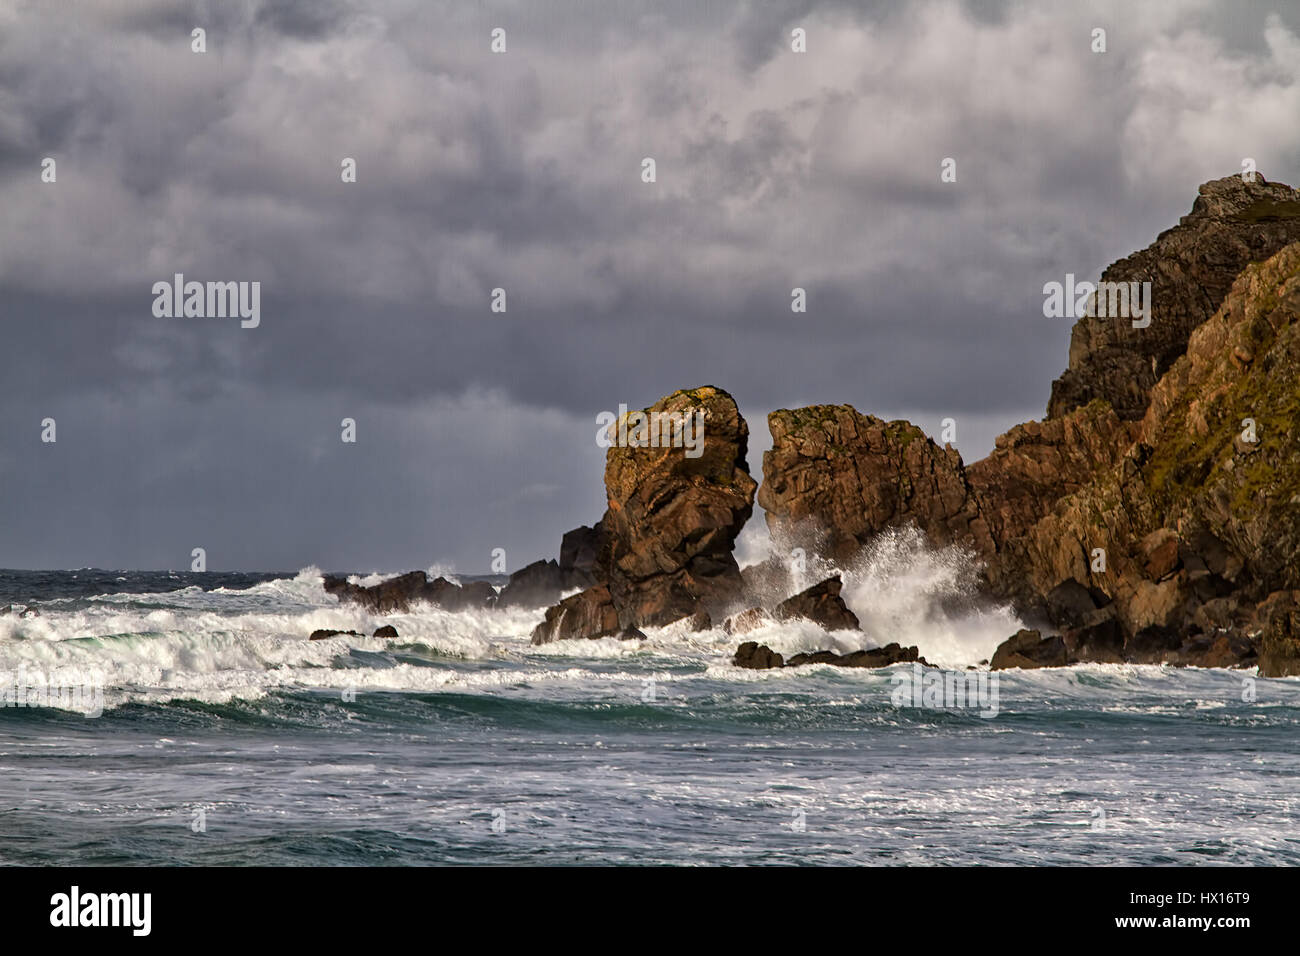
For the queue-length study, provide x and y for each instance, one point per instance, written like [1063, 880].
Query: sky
[522, 170]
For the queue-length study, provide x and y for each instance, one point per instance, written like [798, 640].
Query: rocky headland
[1152, 516]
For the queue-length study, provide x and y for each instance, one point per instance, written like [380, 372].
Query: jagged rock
[1236, 526]
[477, 594]
[387, 631]
[699, 621]
[587, 614]
[457, 597]
[1191, 268]
[325, 633]
[1029, 649]
[579, 549]
[761, 657]
[394, 594]
[405, 590]
[537, 585]
[832, 471]
[874, 657]
[835, 478]
[757, 656]
[672, 519]
[1173, 503]
[1103, 643]
[1156, 644]
[820, 604]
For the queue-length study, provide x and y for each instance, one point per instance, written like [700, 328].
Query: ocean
[224, 736]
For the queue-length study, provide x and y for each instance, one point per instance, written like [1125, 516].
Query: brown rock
[1069, 604]
[672, 519]
[820, 604]
[1029, 649]
[835, 478]
[1219, 650]
[757, 656]
[1159, 552]
[1191, 267]
[387, 631]
[1154, 645]
[587, 614]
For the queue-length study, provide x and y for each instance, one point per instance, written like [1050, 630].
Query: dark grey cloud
[522, 171]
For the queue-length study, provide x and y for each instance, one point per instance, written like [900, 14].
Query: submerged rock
[761, 657]
[874, 657]
[325, 633]
[402, 592]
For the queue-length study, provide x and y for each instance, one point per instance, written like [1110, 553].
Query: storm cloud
[522, 171]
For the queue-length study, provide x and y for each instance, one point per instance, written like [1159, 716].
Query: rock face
[1279, 618]
[835, 478]
[589, 614]
[747, 620]
[821, 604]
[1198, 524]
[1191, 267]
[1155, 514]
[673, 519]
[677, 500]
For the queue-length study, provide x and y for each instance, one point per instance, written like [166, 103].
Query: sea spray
[903, 589]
